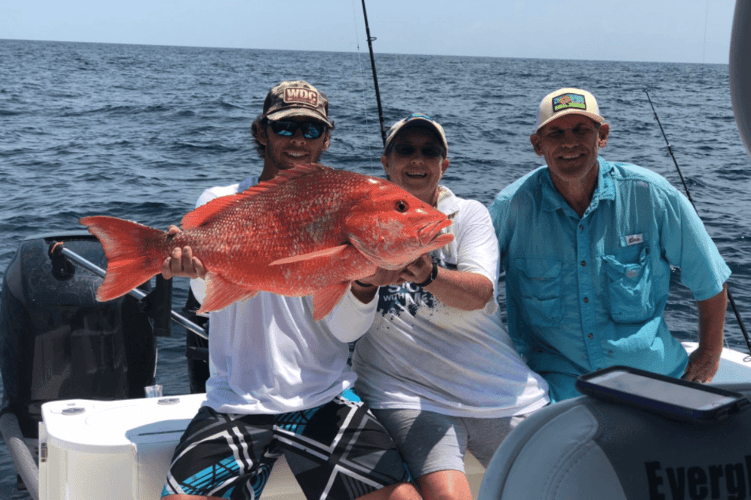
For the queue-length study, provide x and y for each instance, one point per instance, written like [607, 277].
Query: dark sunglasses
[310, 130]
[429, 151]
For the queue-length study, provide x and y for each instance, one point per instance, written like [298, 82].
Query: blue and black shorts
[337, 450]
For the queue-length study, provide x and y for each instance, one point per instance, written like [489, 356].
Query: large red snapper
[309, 231]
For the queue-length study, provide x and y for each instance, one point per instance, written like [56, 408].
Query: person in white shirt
[437, 367]
[279, 381]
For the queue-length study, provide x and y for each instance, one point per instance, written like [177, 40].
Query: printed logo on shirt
[407, 297]
[567, 101]
[634, 239]
[396, 299]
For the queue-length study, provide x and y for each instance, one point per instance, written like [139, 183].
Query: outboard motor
[58, 342]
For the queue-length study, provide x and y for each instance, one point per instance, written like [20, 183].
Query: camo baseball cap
[567, 101]
[296, 98]
[416, 120]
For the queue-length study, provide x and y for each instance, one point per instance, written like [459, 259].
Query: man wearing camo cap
[279, 381]
[587, 246]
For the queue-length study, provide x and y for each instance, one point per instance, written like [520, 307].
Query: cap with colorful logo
[416, 120]
[567, 101]
[296, 98]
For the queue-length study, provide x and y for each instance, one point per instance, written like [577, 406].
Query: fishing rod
[688, 195]
[375, 76]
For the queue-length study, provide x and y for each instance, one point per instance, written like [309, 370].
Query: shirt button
[581, 227]
[591, 335]
[586, 300]
[584, 263]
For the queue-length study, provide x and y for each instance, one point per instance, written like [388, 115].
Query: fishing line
[688, 195]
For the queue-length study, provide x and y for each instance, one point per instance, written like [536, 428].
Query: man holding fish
[587, 246]
[279, 382]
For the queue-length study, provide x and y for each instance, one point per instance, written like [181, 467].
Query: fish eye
[401, 206]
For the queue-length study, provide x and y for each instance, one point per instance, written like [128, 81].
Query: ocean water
[139, 132]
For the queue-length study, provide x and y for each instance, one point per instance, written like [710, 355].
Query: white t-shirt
[422, 354]
[267, 354]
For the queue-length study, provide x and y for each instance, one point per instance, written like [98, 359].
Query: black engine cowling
[58, 342]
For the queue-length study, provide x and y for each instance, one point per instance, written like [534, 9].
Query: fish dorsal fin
[204, 213]
[293, 173]
[326, 252]
[284, 176]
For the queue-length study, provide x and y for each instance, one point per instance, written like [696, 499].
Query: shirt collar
[552, 200]
[447, 203]
[247, 183]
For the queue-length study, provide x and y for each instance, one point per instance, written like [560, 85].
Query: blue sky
[628, 30]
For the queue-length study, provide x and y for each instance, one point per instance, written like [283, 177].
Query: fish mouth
[431, 237]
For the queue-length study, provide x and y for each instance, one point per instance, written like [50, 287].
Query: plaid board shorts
[336, 451]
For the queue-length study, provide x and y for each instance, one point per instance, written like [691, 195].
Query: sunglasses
[310, 130]
[429, 151]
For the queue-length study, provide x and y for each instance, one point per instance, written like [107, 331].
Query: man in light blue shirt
[587, 246]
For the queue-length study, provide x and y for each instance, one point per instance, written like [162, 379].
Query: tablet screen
[660, 390]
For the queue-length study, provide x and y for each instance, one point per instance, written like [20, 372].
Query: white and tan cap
[296, 98]
[567, 101]
[416, 120]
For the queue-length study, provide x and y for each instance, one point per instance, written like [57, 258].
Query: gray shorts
[430, 442]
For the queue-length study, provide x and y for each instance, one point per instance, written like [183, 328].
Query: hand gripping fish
[309, 231]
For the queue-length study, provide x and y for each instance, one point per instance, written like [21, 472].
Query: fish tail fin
[134, 253]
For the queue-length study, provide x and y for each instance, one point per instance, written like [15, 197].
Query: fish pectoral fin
[326, 299]
[326, 252]
[220, 293]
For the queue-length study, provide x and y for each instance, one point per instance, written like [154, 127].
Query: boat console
[586, 448]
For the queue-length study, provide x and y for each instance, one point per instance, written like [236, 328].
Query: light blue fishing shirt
[584, 293]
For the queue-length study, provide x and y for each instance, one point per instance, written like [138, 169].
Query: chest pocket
[540, 289]
[630, 287]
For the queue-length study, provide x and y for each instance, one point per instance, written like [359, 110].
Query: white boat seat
[585, 449]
